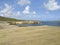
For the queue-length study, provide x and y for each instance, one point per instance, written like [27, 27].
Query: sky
[45, 10]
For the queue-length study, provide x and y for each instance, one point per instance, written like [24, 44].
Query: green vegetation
[13, 21]
[8, 19]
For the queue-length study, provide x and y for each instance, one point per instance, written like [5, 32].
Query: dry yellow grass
[38, 35]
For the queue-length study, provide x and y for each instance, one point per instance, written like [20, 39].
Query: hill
[8, 19]
[16, 21]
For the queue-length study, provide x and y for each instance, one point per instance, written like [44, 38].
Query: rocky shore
[25, 22]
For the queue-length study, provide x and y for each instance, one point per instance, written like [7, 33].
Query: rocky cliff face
[25, 22]
[28, 22]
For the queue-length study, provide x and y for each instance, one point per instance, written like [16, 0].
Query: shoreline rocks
[24, 22]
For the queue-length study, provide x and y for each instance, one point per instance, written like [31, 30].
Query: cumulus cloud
[6, 11]
[7, 8]
[27, 11]
[34, 12]
[52, 5]
[18, 13]
[23, 2]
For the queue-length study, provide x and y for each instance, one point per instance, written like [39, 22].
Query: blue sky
[45, 10]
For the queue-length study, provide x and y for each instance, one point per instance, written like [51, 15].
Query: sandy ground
[37, 35]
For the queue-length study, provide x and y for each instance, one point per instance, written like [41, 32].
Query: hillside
[8, 19]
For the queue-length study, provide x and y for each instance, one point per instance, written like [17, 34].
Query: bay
[48, 23]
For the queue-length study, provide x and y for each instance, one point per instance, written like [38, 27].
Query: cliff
[25, 22]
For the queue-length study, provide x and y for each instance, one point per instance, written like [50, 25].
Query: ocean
[48, 23]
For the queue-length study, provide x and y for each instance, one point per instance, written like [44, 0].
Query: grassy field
[38, 35]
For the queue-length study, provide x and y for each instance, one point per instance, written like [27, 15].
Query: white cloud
[23, 2]
[7, 11]
[18, 13]
[1, 15]
[26, 10]
[34, 12]
[52, 5]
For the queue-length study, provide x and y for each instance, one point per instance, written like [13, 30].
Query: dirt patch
[1, 27]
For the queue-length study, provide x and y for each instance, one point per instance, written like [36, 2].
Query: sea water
[49, 23]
